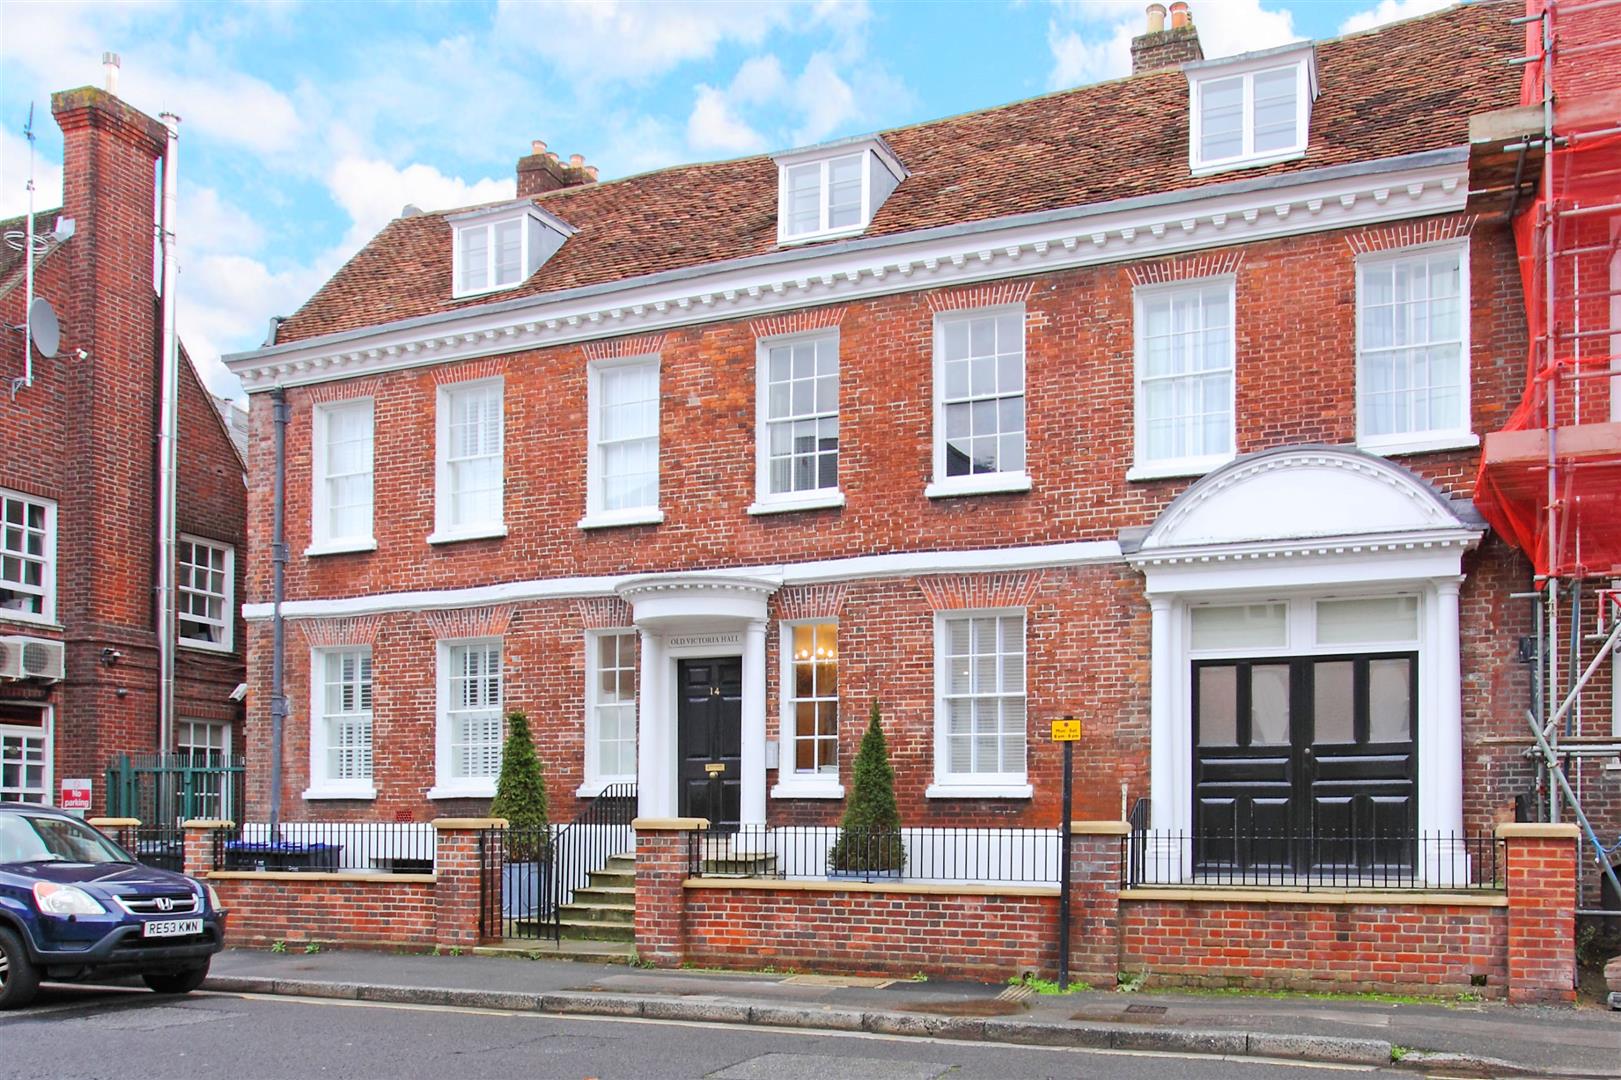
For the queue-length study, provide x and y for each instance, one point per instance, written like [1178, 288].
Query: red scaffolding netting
[1550, 480]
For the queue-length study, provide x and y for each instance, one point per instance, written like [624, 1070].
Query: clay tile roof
[1399, 89]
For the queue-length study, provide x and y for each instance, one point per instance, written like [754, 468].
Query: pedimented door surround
[1296, 526]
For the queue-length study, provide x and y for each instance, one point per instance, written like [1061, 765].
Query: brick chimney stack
[543, 171]
[1166, 47]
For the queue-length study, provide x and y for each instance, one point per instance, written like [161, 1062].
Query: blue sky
[306, 126]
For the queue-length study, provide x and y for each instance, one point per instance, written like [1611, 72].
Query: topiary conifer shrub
[870, 833]
[520, 794]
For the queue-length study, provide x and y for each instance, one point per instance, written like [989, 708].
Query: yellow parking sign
[1067, 730]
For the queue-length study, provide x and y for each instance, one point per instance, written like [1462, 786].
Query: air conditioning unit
[32, 658]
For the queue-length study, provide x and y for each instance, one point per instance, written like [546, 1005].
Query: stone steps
[605, 910]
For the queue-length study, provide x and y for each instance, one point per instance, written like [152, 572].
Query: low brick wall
[369, 910]
[1515, 942]
[333, 909]
[1412, 944]
[872, 930]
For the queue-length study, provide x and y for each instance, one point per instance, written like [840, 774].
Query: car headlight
[213, 898]
[54, 899]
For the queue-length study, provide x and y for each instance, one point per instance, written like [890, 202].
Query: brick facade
[84, 436]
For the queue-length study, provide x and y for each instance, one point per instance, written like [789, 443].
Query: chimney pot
[551, 156]
[537, 147]
[576, 160]
[1156, 18]
[591, 171]
[110, 64]
[1180, 16]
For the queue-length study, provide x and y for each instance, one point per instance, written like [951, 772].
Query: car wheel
[183, 981]
[19, 979]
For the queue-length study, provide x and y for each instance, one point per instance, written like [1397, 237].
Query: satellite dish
[43, 327]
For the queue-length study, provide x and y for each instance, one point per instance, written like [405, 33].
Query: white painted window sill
[341, 547]
[806, 789]
[979, 791]
[1254, 161]
[593, 788]
[1419, 444]
[783, 504]
[983, 484]
[205, 646]
[42, 622]
[610, 519]
[811, 238]
[1165, 470]
[311, 794]
[482, 789]
[481, 532]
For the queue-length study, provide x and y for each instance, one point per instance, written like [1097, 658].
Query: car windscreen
[25, 838]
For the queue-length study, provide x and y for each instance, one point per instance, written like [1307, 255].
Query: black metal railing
[980, 856]
[1447, 861]
[161, 846]
[1134, 859]
[352, 847]
[530, 876]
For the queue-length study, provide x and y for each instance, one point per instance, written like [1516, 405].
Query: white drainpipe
[167, 431]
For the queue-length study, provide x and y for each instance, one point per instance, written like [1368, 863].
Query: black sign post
[1066, 731]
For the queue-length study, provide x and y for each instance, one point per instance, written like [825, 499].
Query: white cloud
[223, 302]
[1389, 11]
[1082, 56]
[14, 176]
[373, 192]
[622, 39]
[714, 125]
[1090, 40]
[764, 107]
[825, 100]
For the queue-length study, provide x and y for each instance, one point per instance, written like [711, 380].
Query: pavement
[1464, 1038]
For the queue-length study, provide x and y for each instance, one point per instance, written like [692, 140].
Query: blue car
[75, 905]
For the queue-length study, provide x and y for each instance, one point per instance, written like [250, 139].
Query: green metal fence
[170, 788]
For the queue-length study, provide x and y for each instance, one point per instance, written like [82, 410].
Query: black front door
[709, 718]
[1305, 761]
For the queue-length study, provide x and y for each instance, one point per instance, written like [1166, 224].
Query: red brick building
[78, 486]
[1155, 402]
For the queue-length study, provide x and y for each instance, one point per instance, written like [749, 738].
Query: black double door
[1306, 762]
[709, 721]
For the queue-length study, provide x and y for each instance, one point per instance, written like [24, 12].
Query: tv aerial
[40, 329]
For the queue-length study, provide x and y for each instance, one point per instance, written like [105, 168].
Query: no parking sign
[75, 795]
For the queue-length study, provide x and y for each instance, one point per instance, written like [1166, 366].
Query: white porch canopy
[697, 615]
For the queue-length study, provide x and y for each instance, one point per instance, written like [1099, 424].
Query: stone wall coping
[296, 875]
[469, 823]
[208, 823]
[1327, 897]
[1099, 828]
[112, 822]
[963, 888]
[670, 824]
[1538, 830]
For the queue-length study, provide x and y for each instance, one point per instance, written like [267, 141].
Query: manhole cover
[1140, 1009]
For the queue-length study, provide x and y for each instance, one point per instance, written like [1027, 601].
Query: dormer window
[1250, 110]
[500, 247]
[833, 190]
